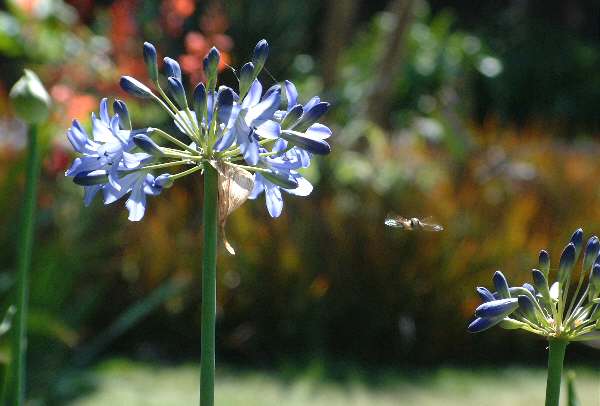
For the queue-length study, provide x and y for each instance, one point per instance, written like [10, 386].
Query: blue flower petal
[312, 103]
[274, 201]
[291, 94]
[304, 188]
[225, 141]
[104, 111]
[136, 204]
[253, 96]
[259, 186]
[250, 152]
[318, 130]
[264, 110]
[269, 129]
[89, 193]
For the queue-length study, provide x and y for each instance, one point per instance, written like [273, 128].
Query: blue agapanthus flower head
[548, 309]
[263, 132]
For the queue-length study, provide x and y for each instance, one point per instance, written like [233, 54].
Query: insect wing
[431, 226]
[396, 221]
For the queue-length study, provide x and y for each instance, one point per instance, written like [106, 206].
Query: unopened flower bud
[591, 253]
[497, 308]
[224, 104]
[199, 102]
[259, 57]
[164, 181]
[485, 294]
[172, 68]
[147, 145]
[544, 262]
[311, 115]
[211, 64]
[527, 307]
[30, 99]
[177, 92]
[120, 108]
[150, 60]
[501, 285]
[541, 284]
[577, 240]
[246, 78]
[567, 260]
[483, 323]
[594, 282]
[135, 88]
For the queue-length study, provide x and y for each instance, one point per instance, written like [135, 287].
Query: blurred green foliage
[473, 135]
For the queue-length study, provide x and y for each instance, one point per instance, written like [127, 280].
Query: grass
[121, 382]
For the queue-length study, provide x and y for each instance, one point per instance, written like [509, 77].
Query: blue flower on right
[544, 308]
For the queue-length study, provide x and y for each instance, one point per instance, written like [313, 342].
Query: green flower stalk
[209, 287]
[547, 309]
[31, 103]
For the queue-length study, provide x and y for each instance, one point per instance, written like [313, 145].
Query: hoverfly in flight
[411, 224]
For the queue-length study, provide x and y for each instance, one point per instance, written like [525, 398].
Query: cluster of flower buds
[251, 131]
[544, 309]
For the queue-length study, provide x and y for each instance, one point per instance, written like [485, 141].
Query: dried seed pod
[235, 185]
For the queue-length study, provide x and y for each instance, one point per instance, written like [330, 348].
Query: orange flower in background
[174, 13]
[214, 20]
[197, 46]
[75, 105]
[123, 35]
[213, 23]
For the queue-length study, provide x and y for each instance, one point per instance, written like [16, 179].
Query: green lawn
[119, 383]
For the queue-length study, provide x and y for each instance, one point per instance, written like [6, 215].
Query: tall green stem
[556, 356]
[19, 343]
[209, 287]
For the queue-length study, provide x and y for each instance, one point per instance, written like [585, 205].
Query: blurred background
[484, 117]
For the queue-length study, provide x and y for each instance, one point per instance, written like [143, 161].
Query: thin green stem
[534, 328]
[180, 152]
[237, 151]
[577, 313]
[575, 295]
[170, 153]
[193, 120]
[554, 310]
[556, 357]
[167, 165]
[164, 106]
[585, 328]
[174, 140]
[248, 168]
[174, 109]
[19, 347]
[209, 286]
[563, 289]
[263, 154]
[186, 172]
[578, 305]
[175, 116]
